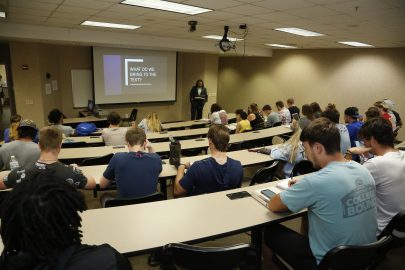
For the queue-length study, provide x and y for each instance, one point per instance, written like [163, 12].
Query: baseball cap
[352, 111]
[28, 123]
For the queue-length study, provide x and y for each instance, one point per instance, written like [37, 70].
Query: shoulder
[234, 162]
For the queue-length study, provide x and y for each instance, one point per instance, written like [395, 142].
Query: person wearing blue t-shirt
[216, 173]
[340, 199]
[135, 172]
[352, 124]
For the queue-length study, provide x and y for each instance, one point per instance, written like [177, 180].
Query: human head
[27, 129]
[321, 136]
[390, 104]
[114, 118]
[243, 115]
[55, 117]
[315, 107]
[15, 119]
[372, 112]
[154, 123]
[50, 139]
[290, 102]
[279, 105]
[307, 111]
[379, 129]
[135, 136]
[215, 107]
[40, 217]
[382, 107]
[266, 109]
[253, 108]
[218, 136]
[199, 83]
[332, 114]
[351, 114]
[238, 114]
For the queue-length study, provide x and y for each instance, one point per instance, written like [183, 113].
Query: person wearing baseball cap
[352, 124]
[24, 150]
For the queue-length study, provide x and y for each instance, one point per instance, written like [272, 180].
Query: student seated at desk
[336, 214]
[216, 173]
[11, 133]
[24, 150]
[50, 144]
[218, 115]
[55, 118]
[242, 123]
[151, 123]
[135, 172]
[114, 134]
[40, 229]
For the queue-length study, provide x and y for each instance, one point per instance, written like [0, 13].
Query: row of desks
[162, 147]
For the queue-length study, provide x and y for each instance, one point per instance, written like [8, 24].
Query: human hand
[292, 181]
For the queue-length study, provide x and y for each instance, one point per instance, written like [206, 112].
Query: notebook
[261, 198]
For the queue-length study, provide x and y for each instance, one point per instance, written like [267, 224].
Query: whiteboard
[82, 87]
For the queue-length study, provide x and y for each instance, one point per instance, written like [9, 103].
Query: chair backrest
[353, 257]
[97, 160]
[74, 144]
[302, 167]
[133, 115]
[182, 256]
[158, 196]
[277, 124]
[270, 173]
[196, 126]
[396, 227]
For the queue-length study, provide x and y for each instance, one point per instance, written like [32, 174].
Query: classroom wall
[346, 77]
[59, 60]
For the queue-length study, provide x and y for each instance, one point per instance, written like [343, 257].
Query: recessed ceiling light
[281, 46]
[300, 32]
[167, 6]
[2, 14]
[220, 37]
[355, 44]
[110, 25]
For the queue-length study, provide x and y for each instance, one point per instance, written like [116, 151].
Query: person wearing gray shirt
[23, 149]
[333, 114]
[270, 116]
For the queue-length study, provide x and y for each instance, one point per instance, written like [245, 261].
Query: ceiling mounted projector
[225, 44]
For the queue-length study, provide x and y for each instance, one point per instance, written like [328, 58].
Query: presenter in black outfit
[198, 97]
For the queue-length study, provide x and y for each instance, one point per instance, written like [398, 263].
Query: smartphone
[238, 195]
[268, 193]
[295, 116]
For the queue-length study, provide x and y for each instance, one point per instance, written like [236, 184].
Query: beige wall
[59, 60]
[346, 77]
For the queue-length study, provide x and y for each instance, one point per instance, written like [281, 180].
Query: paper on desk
[283, 184]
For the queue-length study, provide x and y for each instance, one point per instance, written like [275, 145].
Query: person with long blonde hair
[151, 123]
[292, 151]
[11, 134]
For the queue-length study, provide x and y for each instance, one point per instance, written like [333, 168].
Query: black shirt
[258, 122]
[70, 174]
[294, 109]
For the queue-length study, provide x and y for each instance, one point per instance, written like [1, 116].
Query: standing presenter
[198, 97]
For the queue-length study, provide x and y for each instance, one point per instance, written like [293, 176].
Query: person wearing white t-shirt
[285, 115]
[218, 115]
[387, 169]
[114, 134]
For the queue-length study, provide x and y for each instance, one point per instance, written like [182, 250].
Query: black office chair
[157, 196]
[182, 256]
[302, 167]
[176, 128]
[74, 144]
[354, 257]
[268, 174]
[196, 126]
[277, 124]
[133, 115]
[97, 160]
[396, 227]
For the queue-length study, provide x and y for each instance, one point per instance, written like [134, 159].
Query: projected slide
[134, 76]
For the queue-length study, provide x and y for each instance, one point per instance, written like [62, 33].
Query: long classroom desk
[185, 124]
[137, 229]
[162, 147]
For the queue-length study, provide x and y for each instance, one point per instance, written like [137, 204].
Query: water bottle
[175, 152]
[13, 163]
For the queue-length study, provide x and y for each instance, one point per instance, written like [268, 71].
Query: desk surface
[245, 157]
[191, 122]
[401, 145]
[87, 152]
[83, 119]
[146, 226]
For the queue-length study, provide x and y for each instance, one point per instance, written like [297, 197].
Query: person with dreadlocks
[40, 229]
[50, 144]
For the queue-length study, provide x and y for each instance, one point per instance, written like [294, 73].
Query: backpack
[85, 129]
